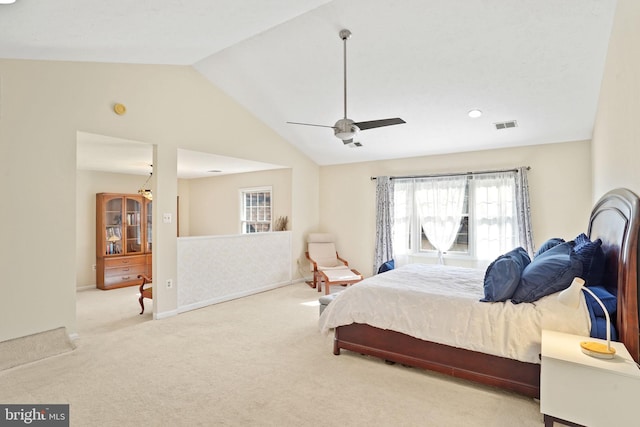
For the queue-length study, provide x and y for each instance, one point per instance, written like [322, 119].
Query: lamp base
[598, 350]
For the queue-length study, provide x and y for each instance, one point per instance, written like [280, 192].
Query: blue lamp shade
[571, 298]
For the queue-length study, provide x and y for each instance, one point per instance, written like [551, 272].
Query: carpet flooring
[254, 361]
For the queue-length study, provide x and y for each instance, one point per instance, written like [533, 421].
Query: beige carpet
[34, 347]
[256, 361]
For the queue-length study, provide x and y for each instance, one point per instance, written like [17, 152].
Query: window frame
[416, 233]
[243, 209]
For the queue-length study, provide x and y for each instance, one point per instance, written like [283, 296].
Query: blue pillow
[503, 275]
[599, 329]
[592, 257]
[553, 242]
[608, 299]
[581, 239]
[550, 272]
[389, 265]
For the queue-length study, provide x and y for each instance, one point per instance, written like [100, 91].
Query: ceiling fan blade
[379, 123]
[311, 124]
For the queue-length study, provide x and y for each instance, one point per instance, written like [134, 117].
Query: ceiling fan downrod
[345, 35]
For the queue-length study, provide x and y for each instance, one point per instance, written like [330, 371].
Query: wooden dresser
[123, 239]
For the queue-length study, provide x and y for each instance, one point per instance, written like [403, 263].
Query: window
[255, 212]
[467, 215]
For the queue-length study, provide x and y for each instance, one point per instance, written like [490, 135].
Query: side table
[581, 390]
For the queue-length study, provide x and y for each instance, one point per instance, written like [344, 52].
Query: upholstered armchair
[322, 255]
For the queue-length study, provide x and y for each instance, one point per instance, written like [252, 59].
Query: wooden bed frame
[614, 219]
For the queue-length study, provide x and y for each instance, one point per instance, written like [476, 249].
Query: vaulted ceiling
[536, 62]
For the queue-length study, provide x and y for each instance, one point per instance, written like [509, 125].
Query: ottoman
[325, 300]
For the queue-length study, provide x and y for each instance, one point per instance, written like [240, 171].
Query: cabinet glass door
[149, 212]
[133, 218]
[113, 226]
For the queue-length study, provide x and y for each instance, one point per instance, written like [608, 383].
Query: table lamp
[571, 298]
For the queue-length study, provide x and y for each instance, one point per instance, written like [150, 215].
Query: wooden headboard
[615, 219]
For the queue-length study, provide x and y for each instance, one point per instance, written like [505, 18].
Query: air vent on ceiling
[506, 125]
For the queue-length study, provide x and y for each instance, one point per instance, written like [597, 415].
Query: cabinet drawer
[114, 276]
[125, 271]
[124, 261]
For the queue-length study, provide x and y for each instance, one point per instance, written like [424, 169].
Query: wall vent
[506, 125]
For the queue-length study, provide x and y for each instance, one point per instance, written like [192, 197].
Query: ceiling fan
[345, 128]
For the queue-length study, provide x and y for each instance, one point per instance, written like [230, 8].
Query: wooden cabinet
[123, 239]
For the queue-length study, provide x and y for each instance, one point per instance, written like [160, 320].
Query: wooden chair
[322, 254]
[145, 292]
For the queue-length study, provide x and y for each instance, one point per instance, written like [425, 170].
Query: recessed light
[7, 1]
[474, 114]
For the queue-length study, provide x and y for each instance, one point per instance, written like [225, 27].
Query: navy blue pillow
[553, 242]
[581, 239]
[599, 329]
[608, 299]
[503, 275]
[389, 265]
[592, 257]
[550, 272]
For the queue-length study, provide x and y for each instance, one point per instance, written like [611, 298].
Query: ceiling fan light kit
[346, 129]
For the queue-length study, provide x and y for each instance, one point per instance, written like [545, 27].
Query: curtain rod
[438, 175]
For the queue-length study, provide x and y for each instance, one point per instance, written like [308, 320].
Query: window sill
[449, 259]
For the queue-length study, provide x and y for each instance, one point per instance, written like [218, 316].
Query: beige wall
[44, 105]
[616, 139]
[214, 203]
[559, 183]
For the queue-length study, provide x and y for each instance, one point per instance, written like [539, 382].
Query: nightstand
[576, 389]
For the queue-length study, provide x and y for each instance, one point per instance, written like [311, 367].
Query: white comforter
[441, 304]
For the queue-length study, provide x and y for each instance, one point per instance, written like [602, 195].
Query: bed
[614, 219]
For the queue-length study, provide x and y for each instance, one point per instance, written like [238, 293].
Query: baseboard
[165, 314]
[31, 348]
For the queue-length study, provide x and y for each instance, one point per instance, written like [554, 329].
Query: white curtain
[440, 202]
[403, 220]
[384, 222]
[495, 214]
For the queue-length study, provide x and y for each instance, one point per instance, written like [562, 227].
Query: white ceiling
[539, 62]
[116, 155]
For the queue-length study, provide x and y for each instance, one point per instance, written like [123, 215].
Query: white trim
[165, 314]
